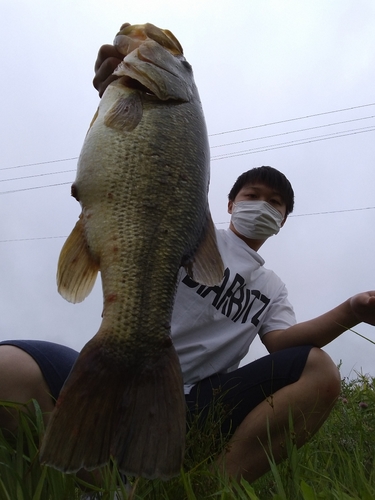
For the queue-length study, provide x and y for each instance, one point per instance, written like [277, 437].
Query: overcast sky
[297, 77]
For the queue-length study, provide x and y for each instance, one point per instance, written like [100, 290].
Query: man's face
[260, 192]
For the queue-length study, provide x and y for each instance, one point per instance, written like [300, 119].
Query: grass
[338, 463]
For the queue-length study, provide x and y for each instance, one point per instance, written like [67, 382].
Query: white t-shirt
[213, 327]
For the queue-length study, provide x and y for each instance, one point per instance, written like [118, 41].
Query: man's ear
[283, 221]
[230, 206]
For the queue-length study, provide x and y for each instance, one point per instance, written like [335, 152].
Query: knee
[324, 376]
[20, 377]
[21, 380]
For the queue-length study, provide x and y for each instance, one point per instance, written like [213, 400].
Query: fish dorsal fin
[125, 114]
[77, 269]
[207, 267]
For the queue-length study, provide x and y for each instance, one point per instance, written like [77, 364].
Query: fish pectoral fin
[136, 414]
[125, 114]
[207, 267]
[77, 269]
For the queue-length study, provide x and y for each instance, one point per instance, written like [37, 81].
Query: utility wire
[332, 212]
[227, 155]
[35, 187]
[32, 239]
[37, 175]
[328, 212]
[39, 163]
[297, 142]
[293, 119]
[291, 132]
[259, 149]
[225, 132]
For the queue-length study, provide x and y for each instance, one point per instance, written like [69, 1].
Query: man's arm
[325, 328]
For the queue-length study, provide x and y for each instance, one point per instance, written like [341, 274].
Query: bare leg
[309, 401]
[20, 381]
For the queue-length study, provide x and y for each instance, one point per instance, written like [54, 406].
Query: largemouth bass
[142, 182]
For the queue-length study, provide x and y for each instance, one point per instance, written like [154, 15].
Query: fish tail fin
[151, 433]
[134, 415]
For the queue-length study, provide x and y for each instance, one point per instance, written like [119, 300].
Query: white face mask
[257, 220]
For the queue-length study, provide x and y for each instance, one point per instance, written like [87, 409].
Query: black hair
[270, 177]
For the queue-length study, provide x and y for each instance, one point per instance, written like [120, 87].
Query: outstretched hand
[363, 306]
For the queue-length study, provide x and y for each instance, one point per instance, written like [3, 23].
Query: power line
[293, 119]
[328, 212]
[37, 175]
[333, 212]
[297, 142]
[39, 163]
[231, 131]
[35, 187]
[32, 239]
[292, 132]
[260, 149]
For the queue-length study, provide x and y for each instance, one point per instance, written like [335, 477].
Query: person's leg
[20, 381]
[32, 369]
[309, 401]
[38, 375]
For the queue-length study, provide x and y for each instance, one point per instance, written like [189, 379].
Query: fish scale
[142, 182]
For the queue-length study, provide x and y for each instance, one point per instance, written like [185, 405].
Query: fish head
[154, 62]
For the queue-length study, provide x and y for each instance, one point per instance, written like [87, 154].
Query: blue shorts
[55, 361]
[237, 392]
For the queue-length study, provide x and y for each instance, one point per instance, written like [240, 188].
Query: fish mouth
[132, 83]
[136, 83]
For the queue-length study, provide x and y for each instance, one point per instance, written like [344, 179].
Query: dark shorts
[55, 361]
[240, 391]
[237, 392]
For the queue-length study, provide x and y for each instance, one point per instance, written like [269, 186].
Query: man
[212, 328]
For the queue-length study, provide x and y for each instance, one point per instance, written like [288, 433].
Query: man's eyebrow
[274, 191]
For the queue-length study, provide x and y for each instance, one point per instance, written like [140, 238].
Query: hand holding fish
[363, 306]
[107, 61]
[109, 57]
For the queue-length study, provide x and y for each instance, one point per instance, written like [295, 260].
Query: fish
[142, 182]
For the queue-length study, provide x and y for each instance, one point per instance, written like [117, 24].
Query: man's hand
[107, 61]
[322, 330]
[363, 306]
